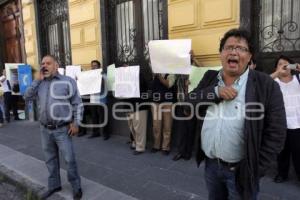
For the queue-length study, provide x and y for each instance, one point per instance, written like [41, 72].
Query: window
[279, 26]
[54, 30]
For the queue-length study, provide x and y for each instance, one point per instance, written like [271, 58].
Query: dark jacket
[162, 90]
[264, 136]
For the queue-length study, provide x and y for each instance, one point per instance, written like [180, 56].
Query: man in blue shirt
[242, 118]
[60, 111]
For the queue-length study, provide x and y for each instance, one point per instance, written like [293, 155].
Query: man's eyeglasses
[238, 49]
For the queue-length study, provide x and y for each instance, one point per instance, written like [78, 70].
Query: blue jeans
[54, 141]
[1, 115]
[220, 181]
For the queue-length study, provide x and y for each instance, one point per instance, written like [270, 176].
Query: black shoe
[153, 150]
[177, 157]
[77, 195]
[137, 152]
[165, 152]
[106, 137]
[17, 119]
[81, 134]
[187, 157]
[94, 135]
[48, 193]
[279, 179]
[132, 148]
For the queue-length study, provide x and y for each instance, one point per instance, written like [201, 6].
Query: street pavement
[110, 166]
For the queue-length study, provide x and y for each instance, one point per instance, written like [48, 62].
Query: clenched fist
[227, 93]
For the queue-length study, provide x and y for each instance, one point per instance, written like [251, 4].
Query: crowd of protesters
[241, 119]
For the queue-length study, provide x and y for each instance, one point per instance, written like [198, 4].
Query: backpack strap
[298, 78]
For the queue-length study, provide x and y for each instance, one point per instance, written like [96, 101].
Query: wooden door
[10, 32]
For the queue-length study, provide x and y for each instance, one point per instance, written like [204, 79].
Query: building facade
[68, 29]
[274, 26]
[117, 31]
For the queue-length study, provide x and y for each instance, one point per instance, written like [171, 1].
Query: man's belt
[55, 126]
[224, 163]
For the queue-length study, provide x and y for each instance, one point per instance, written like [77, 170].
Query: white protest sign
[89, 82]
[12, 75]
[127, 82]
[61, 71]
[73, 70]
[111, 77]
[11, 70]
[170, 56]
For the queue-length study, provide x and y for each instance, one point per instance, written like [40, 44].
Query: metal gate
[131, 25]
[54, 30]
[277, 31]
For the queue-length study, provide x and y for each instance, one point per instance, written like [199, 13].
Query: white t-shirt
[291, 98]
[5, 86]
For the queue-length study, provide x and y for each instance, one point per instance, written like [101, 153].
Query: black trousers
[85, 115]
[99, 118]
[187, 131]
[1, 116]
[10, 103]
[291, 149]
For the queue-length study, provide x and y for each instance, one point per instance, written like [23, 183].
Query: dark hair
[238, 33]
[16, 88]
[283, 57]
[96, 61]
[252, 61]
[51, 56]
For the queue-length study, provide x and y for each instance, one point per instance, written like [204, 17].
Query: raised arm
[31, 92]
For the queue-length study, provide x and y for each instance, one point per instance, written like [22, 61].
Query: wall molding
[85, 23]
[74, 2]
[172, 5]
[232, 17]
[208, 57]
[26, 2]
[27, 12]
[84, 45]
[174, 1]
[75, 10]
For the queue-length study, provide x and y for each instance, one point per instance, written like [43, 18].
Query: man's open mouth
[232, 61]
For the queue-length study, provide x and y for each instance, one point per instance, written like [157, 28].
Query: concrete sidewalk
[32, 173]
[110, 170]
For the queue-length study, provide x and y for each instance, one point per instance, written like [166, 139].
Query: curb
[31, 190]
[32, 174]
